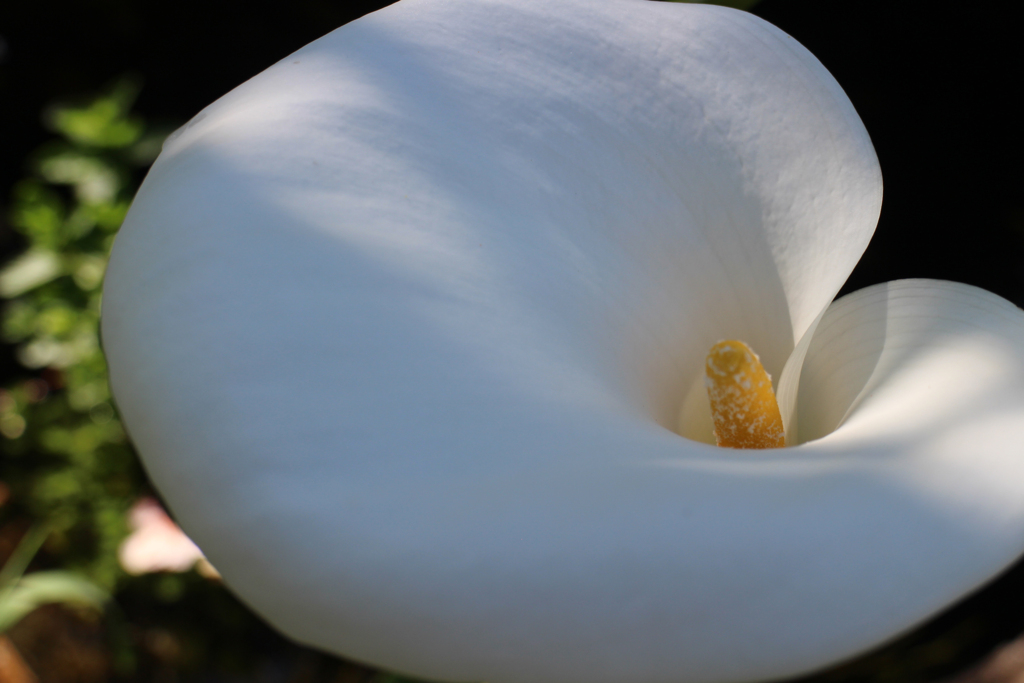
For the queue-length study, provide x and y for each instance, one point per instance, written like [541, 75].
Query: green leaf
[28, 271]
[42, 588]
[105, 122]
[93, 178]
[88, 270]
[19, 560]
[38, 213]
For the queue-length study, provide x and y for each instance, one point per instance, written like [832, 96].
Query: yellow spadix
[743, 405]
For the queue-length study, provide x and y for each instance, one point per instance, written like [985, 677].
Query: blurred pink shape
[157, 544]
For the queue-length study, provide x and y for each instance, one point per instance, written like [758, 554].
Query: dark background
[935, 83]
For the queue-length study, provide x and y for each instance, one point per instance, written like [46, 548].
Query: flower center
[743, 406]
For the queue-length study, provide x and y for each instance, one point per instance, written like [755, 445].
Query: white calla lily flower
[410, 328]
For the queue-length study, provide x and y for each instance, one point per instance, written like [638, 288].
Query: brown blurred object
[1005, 665]
[13, 668]
[61, 646]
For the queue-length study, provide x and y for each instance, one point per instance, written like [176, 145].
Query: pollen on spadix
[743, 406]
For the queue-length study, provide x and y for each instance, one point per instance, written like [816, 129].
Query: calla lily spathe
[402, 328]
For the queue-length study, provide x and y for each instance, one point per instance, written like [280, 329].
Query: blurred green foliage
[67, 460]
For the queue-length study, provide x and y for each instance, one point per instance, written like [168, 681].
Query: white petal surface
[920, 384]
[397, 326]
